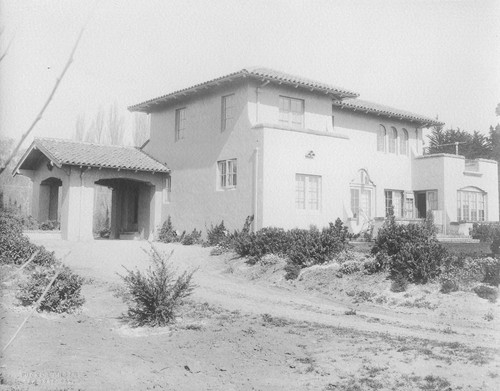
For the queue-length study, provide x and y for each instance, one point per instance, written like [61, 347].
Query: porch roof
[77, 153]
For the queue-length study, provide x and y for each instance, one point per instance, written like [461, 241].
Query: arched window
[381, 138]
[403, 142]
[393, 136]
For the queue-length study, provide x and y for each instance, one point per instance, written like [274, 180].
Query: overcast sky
[430, 57]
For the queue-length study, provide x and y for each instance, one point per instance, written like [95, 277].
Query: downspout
[256, 186]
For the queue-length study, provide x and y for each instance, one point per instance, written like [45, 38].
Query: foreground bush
[63, 296]
[154, 296]
[460, 273]
[409, 251]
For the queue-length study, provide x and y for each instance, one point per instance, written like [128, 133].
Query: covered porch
[65, 177]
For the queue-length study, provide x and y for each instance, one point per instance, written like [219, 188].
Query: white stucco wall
[195, 200]
[257, 139]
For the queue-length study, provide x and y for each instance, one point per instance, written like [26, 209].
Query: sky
[435, 58]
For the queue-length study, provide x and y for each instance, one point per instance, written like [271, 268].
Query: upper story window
[180, 123]
[227, 112]
[381, 134]
[308, 192]
[291, 112]
[392, 144]
[403, 142]
[227, 171]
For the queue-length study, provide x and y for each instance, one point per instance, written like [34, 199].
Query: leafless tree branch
[49, 99]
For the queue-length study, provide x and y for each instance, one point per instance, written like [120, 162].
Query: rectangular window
[394, 200]
[167, 191]
[471, 206]
[308, 192]
[180, 123]
[409, 205]
[361, 203]
[355, 203]
[227, 173]
[291, 112]
[432, 200]
[227, 112]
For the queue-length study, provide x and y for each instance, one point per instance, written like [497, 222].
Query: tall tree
[116, 126]
[80, 130]
[97, 129]
[471, 145]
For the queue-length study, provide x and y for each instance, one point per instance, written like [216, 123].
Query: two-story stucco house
[290, 151]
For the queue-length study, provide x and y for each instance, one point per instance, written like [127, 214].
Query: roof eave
[147, 106]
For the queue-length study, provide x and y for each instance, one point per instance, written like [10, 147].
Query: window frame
[227, 121]
[180, 123]
[286, 117]
[404, 142]
[392, 141]
[471, 205]
[305, 198]
[389, 202]
[227, 174]
[381, 138]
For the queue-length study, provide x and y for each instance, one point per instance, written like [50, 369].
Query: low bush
[486, 292]
[153, 297]
[350, 267]
[292, 271]
[466, 272]
[302, 247]
[216, 234]
[411, 250]
[63, 296]
[485, 232]
[192, 238]
[50, 225]
[167, 233]
[399, 283]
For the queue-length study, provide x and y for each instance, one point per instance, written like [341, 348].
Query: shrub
[292, 271]
[192, 238]
[50, 225]
[486, 292]
[154, 296]
[466, 272]
[495, 243]
[410, 250]
[63, 296]
[448, 284]
[484, 232]
[216, 234]
[302, 247]
[10, 222]
[167, 232]
[399, 283]
[349, 267]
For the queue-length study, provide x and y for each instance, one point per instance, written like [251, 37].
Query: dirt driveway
[237, 334]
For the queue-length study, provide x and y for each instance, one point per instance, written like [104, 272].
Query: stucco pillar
[115, 214]
[155, 210]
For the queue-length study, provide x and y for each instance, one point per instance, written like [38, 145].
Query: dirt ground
[246, 328]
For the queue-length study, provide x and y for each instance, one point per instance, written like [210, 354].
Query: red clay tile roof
[386, 111]
[78, 153]
[251, 72]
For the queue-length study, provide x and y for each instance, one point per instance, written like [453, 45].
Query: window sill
[222, 189]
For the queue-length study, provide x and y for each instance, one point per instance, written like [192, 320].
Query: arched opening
[381, 135]
[393, 136]
[128, 209]
[403, 146]
[49, 200]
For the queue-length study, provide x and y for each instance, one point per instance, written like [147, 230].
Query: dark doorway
[421, 204]
[49, 200]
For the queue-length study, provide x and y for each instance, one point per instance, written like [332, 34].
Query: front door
[421, 203]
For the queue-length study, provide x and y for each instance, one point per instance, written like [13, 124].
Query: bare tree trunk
[47, 102]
